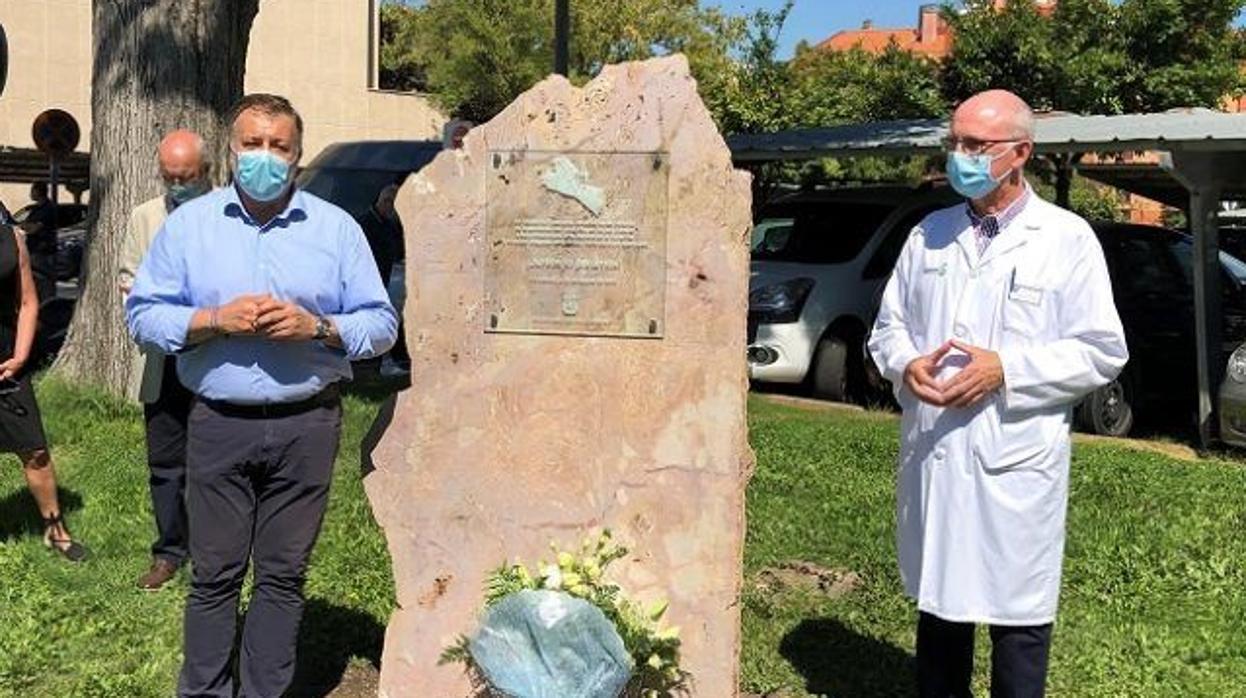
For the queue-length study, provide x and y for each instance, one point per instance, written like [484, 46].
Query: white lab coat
[982, 492]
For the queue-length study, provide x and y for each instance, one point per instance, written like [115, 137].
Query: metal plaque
[576, 243]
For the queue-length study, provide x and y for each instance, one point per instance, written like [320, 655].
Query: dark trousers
[945, 659]
[166, 464]
[257, 487]
[43, 269]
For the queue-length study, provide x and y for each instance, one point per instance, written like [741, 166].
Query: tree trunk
[158, 65]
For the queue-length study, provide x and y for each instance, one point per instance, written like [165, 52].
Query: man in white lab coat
[998, 319]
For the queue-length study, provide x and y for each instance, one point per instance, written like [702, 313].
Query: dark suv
[352, 174]
[71, 223]
[1152, 281]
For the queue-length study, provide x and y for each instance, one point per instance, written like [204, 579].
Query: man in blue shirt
[265, 293]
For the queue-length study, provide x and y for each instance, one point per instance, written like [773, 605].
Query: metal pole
[1204, 202]
[562, 36]
[54, 180]
[1200, 174]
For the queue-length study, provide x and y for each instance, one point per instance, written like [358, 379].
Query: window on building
[374, 43]
[392, 65]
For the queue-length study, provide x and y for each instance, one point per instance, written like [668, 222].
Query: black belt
[329, 397]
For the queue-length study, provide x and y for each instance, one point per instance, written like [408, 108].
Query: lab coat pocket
[1026, 314]
[1022, 443]
[1002, 443]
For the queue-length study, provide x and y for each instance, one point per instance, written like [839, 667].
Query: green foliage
[654, 649]
[1096, 201]
[84, 630]
[399, 68]
[1181, 53]
[1176, 219]
[761, 93]
[458, 653]
[1098, 56]
[756, 94]
[476, 56]
[1152, 600]
[822, 88]
[831, 87]
[1152, 597]
[1088, 199]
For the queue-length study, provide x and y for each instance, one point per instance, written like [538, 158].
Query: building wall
[49, 65]
[316, 52]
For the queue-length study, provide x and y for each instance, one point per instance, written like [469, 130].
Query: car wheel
[829, 373]
[1107, 411]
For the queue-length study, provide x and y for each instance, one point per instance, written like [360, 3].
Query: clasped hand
[266, 316]
[981, 375]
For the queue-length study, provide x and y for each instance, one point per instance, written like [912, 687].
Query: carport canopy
[1202, 150]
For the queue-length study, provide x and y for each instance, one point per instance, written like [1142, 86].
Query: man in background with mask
[997, 320]
[185, 172]
[266, 293]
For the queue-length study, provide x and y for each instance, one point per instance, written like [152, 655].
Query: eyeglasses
[971, 146]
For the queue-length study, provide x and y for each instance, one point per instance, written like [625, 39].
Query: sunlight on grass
[1153, 602]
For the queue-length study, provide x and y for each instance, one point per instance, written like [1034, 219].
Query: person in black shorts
[21, 427]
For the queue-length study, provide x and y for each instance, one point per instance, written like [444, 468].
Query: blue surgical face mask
[181, 192]
[262, 175]
[970, 175]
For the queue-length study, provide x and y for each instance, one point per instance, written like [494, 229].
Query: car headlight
[1237, 364]
[780, 302]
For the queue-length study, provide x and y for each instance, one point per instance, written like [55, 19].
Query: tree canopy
[400, 68]
[476, 56]
[1098, 56]
[1085, 56]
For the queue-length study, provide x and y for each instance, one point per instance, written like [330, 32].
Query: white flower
[553, 577]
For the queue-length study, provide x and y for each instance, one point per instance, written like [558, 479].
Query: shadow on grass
[19, 515]
[329, 638]
[837, 661]
[380, 424]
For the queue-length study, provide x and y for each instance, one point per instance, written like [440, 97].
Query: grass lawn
[1154, 600]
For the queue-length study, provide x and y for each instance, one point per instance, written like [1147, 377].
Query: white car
[820, 261]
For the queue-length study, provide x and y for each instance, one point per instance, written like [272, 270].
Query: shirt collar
[294, 212]
[1005, 217]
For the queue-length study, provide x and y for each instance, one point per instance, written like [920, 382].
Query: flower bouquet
[562, 631]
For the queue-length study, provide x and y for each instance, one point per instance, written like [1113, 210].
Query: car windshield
[770, 235]
[1183, 248]
[66, 214]
[1235, 266]
[816, 232]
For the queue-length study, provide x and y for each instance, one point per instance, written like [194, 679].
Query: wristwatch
[322, 327]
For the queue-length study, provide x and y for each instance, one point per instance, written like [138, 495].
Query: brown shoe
[161, 571]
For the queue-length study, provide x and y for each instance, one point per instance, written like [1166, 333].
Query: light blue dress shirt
[210, 251]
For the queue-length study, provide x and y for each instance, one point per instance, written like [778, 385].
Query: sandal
[69, 549]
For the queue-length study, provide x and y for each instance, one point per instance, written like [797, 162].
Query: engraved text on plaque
[576, 243]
